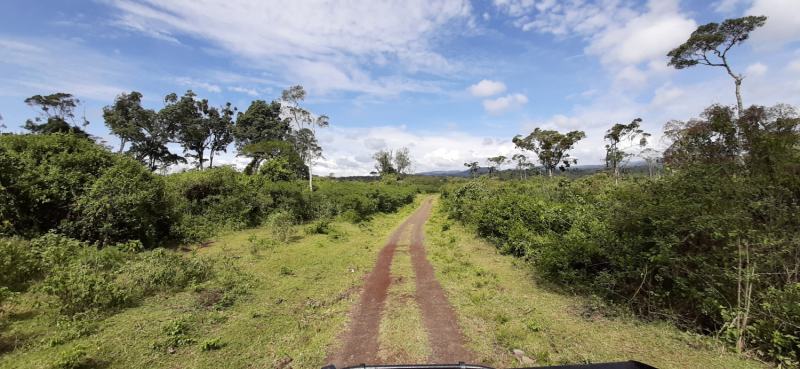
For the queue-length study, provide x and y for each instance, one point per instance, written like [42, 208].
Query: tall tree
[551, 147]
[402, 162]
[261, 122]
[200, 127]
[303, 119]
[149, 145]
[623, 137]
[495, 164]
[281, 161]
[383, 162]
[473, 168]
[54, 113]
[653, 159]
[124, 118]
[521, 160]
[221, 126]
[715, 40]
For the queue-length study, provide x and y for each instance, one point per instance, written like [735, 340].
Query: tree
[473, 168]
[3, 126]
[221, 125]
[55, 110]
[149, 146]
[303, 119]
[712, 138]
[521, 160]
[496, 163]
[402, 162]
[551, 147]
[261, 122]
[621, 137]
[281, 161]
[200, 127]
[653, 158]
[383, 162]
[124, 118]
[716, 39]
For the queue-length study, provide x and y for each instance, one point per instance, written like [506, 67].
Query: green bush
[126, 203]
[670, 246]
[161, 270]
[42, 176]
[74, 358]
[19, 263]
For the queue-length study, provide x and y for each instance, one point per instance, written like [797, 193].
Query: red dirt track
[360, 342]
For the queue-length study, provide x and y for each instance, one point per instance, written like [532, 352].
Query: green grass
[501, 307]
[269, 301]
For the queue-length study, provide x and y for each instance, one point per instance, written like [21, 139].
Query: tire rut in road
[360, 341]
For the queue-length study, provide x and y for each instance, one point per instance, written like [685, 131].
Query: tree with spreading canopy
[550, 147]
[402, 162]
[280, 161]
[261, 122]
[522, 164]
[383, 162]
[473, 168]
[623, 137]
[54, 111]
[715, 40]
[124, 118]
[495, 164]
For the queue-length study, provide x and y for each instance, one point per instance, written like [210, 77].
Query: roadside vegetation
[503, 305]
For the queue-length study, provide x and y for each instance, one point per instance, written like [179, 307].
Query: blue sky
[454, 80]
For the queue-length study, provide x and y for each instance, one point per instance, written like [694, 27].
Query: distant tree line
[278, 137]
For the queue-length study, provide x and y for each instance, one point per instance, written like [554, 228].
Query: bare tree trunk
[122, 145]
[211, 162]
[310, 174]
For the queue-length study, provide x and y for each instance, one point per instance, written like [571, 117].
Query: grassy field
[501, 307]
[271, 303]
[267, 304]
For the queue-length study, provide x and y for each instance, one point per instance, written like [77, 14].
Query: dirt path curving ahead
[360, 342]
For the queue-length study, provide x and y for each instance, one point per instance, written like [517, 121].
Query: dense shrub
[679, 245]
[18, 262]
[126, 203]
[42, 176]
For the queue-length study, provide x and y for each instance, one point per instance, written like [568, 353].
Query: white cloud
[375, 143]
[665, 95]
[486, 16]
[191, 83]
[504, 104]
[793, 66]
[515, 8]
[244, 90]
[319, 43]
[782, 25]
[756, 70]
[726, 6]
[622, 36]
[487, 88]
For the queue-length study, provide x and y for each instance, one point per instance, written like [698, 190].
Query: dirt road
[360, 343]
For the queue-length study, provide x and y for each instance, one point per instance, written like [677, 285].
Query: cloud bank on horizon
[452, 80]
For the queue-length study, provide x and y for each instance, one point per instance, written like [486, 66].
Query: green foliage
[74, 358]
[211, 344]
[19, 264]
[43, 175]
[280, 223]
[126, 203]
[714, 246]
[177, 334]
